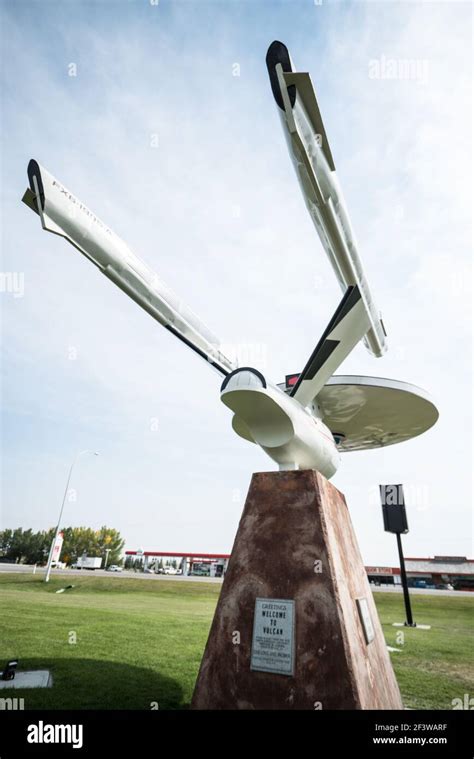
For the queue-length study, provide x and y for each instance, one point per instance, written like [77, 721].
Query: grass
[437, 665]
[141, 641]
[138, 641]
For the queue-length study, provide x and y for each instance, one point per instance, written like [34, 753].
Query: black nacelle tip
[278, 53]
[34, 171]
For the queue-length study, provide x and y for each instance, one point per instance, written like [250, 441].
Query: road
[28, 568]
[25, 568]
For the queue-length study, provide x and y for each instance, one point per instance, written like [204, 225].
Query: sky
[160, 118]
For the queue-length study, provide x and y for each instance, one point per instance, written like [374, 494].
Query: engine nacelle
[287, 432]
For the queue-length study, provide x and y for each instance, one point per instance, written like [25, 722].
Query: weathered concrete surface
[290, 521]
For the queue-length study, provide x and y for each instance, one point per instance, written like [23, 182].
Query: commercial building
[204, 564]
[457, 571]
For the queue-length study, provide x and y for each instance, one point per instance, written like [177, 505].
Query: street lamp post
[107, 551]
[50, 558]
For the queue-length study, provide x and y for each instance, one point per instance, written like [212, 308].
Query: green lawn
[437, 665]
[141, 641]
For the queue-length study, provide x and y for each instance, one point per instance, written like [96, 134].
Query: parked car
[114, 568]
[424, 584]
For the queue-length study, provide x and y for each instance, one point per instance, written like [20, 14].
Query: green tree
[27, 547]
[84, 540]
[5, 542]
[111, 540]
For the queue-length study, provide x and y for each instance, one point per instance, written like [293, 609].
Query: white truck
[88, 562]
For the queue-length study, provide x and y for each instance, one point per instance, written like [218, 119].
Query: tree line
[27, 547]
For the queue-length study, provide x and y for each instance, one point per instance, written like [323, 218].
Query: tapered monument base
[296, 626]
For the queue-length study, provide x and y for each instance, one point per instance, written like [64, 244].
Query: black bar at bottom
[347, 733]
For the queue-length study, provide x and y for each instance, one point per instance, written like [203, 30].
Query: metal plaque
[366, 619]
[273, 644]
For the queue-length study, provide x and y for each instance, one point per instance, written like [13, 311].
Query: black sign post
[395, 520]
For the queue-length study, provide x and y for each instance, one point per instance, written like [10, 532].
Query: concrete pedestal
[295, 542]
[39, 678]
